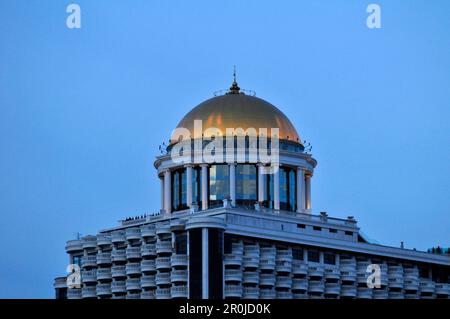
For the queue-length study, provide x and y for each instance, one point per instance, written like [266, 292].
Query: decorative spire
[234, 89]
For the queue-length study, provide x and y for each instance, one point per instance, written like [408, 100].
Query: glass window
[314, 256]
[268, 191]
[329, 258]
[287, 189]
[297, 253]
[179, 189]
[219, 184]
[246, 184]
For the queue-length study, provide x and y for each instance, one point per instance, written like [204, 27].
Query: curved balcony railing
[148, 281]
[395, 281]
[118, 271]
[148, 265]
[179, 292]
[233, 291]
[74, 246]
[266, 262]
[163, 263]
[148, 250]
[118, 236]
[396, 295]
[179, 260]
[364, 293]
[133, 252]
[284, 295]
[267, 280]
[178, 276]
[250, 261]
[133, 284]
[412, 295]
[163, 278]
[164, 247]
[73, 293]
[103, 239]
[118, 286]
[348, 270]
[148, 231]
[150, 294]
[300, 295]
[104, 259]
[233, 275]
[442, 289]
[426, 286]
[284, 255]
[118, 255]
[133, 269]
[250, 293]
[348, 291]
[250, 277]
[163, 229]
[88, 276]
[332, 273]
[283, 282]
[283, 266]
[299, 284]
[332, 288]
[89, 261]
[104, 289]
[104, 274]
[265, 293]
[315, 271]
[380, 293]
[89, 242]
[162, 293]
[232, 259]
[88, 292]
[133, 233]
[133, 295]
[316, 286]
[299, 267]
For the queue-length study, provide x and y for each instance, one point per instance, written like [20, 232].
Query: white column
[233, 183]
[204, 186]
[260, 183]
[205, 264]
[308, 191]
[161, 182]
[300, 189]
[276, 188]
[167, 192]
[189, 185]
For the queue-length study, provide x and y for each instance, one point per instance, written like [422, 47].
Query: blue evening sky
[82, 112]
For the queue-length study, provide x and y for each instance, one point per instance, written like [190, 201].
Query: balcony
[121, 296]
[267, 280]
[133, 253]
[284, 255]
[426, 286]
[251, 277]
[380, 293]
[73, 293]
[283, 282]
[89, 276]
[103, 239]
[233, 275]
[396, 295]
[332, 289]
[148, 265]
[267, 263]
[60, 282]
[118, 287]
[148, 294]
[133, 233]
[411, 285]
[118, 255]
[332, 273]
[315, 271]
[232, 259]
[251, 250]
[104, 290]
[300, 295]
[133, 284]
[348, 291]
[89, 242]
[267, 293]
[299, 267]
[164, 247]
[268, 252]
[148, 231]
[88, 292]
[237, 248]
[364, 293]
[250, 261]
[300, 284]
[162, 293]
[133, 295]
[163, 263]
[148, 250]
[118, 271]
[104, 259]
[179, 292]
[163, 229]
[148, 281]
[395, 281]
[118, 237]
[179, 260]
[251, 293]
[163, 278]
[284, 295]
[283, 266]
[233, 291]
[442, 290]
[104, 274]
[178, 276]
[89, 261]
[73, 246]
[133, 269]
[348, 270]
[316, 286]
[177, 225]
[411, 295]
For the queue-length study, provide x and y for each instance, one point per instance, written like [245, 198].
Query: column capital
[204, 165]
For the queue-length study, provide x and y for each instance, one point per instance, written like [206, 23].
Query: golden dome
[238, 110]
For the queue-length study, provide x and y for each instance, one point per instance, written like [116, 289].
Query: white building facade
[239, 230]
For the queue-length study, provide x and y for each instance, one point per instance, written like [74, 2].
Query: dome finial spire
[234, 89]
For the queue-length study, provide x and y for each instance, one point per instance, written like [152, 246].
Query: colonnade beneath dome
[287, 188]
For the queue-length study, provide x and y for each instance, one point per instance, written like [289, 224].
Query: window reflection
[219, 184]
[179, 189]
[246, 184]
